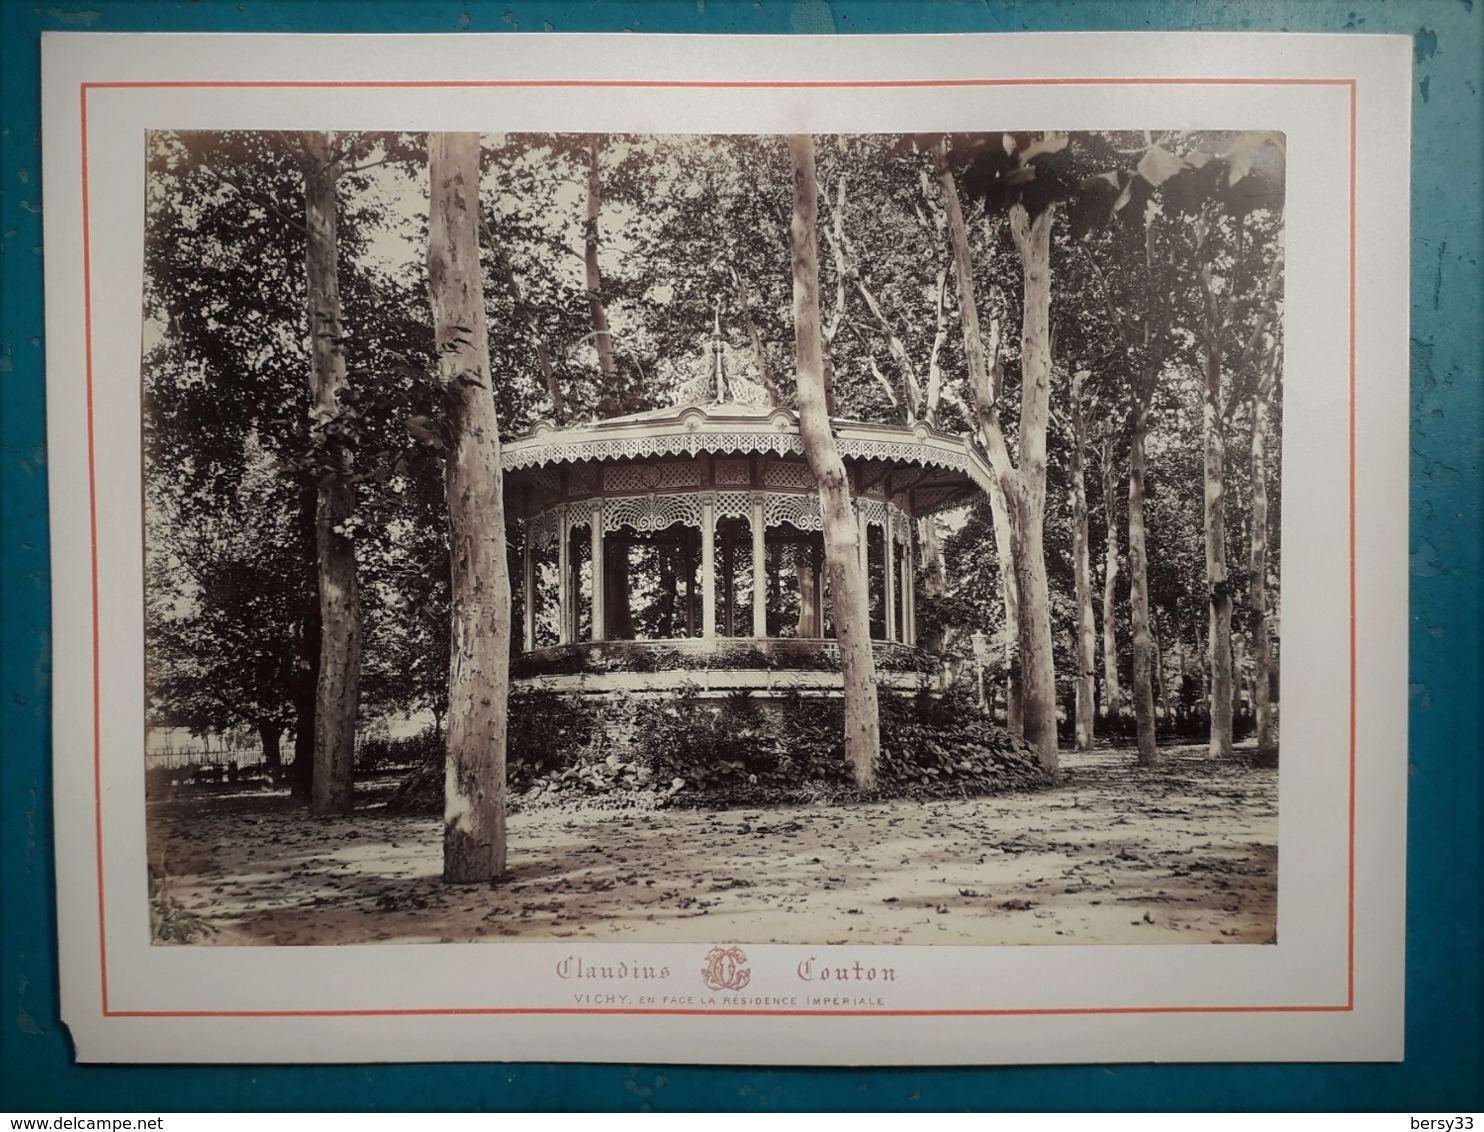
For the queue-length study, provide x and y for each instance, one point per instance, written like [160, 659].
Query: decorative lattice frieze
[788, 473]
[680, 475]
[733, 505]
[545, 451]
[545, 478]
[871, 511]
[631, 477]
[730, 472]
[582, 479]
[927, 499]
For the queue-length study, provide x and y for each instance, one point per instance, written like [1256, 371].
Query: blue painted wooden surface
[1444, 926]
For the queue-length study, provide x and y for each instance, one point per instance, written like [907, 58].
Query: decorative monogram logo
[726, 969]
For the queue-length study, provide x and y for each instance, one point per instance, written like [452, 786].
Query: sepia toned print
[858, 538]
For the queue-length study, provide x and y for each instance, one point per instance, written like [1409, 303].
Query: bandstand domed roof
[722, 415]
[945, 470]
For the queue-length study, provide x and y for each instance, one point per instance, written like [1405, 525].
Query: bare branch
[527, 315]
[759, 355]
[836, 237]
[940, 339]
[255, 198]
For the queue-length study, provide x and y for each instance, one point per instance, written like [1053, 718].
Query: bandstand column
[759, 569]
[564, 575]
[528, 592]
[909, 591]
[598, 575]
[708, 566]
[889, 561]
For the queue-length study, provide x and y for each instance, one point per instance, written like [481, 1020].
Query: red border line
[84, 88]
[673, 84]
[452, 1011]
[1354, 134]
[87, 313]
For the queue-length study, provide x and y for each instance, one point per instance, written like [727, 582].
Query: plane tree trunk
[338, 684]
[934, 575]
[1086, 637]
[1032, 237]
[593, 280]
[983, 366]
[306, 685]
[1262, 660]
[479, 660]
[1218, 583]
[1138, 568]
[841, 531]
[1112, 694]
[999, 511]
[1160, 683]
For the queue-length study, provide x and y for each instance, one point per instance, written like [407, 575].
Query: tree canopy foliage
[608, 264]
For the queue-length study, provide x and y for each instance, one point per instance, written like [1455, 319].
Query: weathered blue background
[1442, 1071]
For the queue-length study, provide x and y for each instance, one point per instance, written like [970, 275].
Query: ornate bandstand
[684, 545]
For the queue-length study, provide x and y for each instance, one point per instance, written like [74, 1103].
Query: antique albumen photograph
[751, 539]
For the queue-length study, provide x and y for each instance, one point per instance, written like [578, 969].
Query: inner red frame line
[678, 84]
[84, 88]
[87, 308]
[1350, 927]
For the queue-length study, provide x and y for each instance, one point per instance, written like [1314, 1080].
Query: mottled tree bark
[934, 392]
[1262, 657]
[306, 686]
[1086, 635]
[808, 604]
[479, 661]
[1038, 673]
[1138, 562]
[841, 531]
[1215, 408]
[602, 338]
[999, 512]
[338, 686]
[1218, 584]
[1112, 694]
[934, 574]
[984, 384]
[1160, 683]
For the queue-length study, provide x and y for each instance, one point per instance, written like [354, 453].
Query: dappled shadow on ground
[1185, 853]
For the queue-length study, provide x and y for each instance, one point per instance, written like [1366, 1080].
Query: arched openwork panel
[800, 510]
[544, 530]
[646, 513]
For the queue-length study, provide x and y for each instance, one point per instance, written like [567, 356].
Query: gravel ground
[1183, 854]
